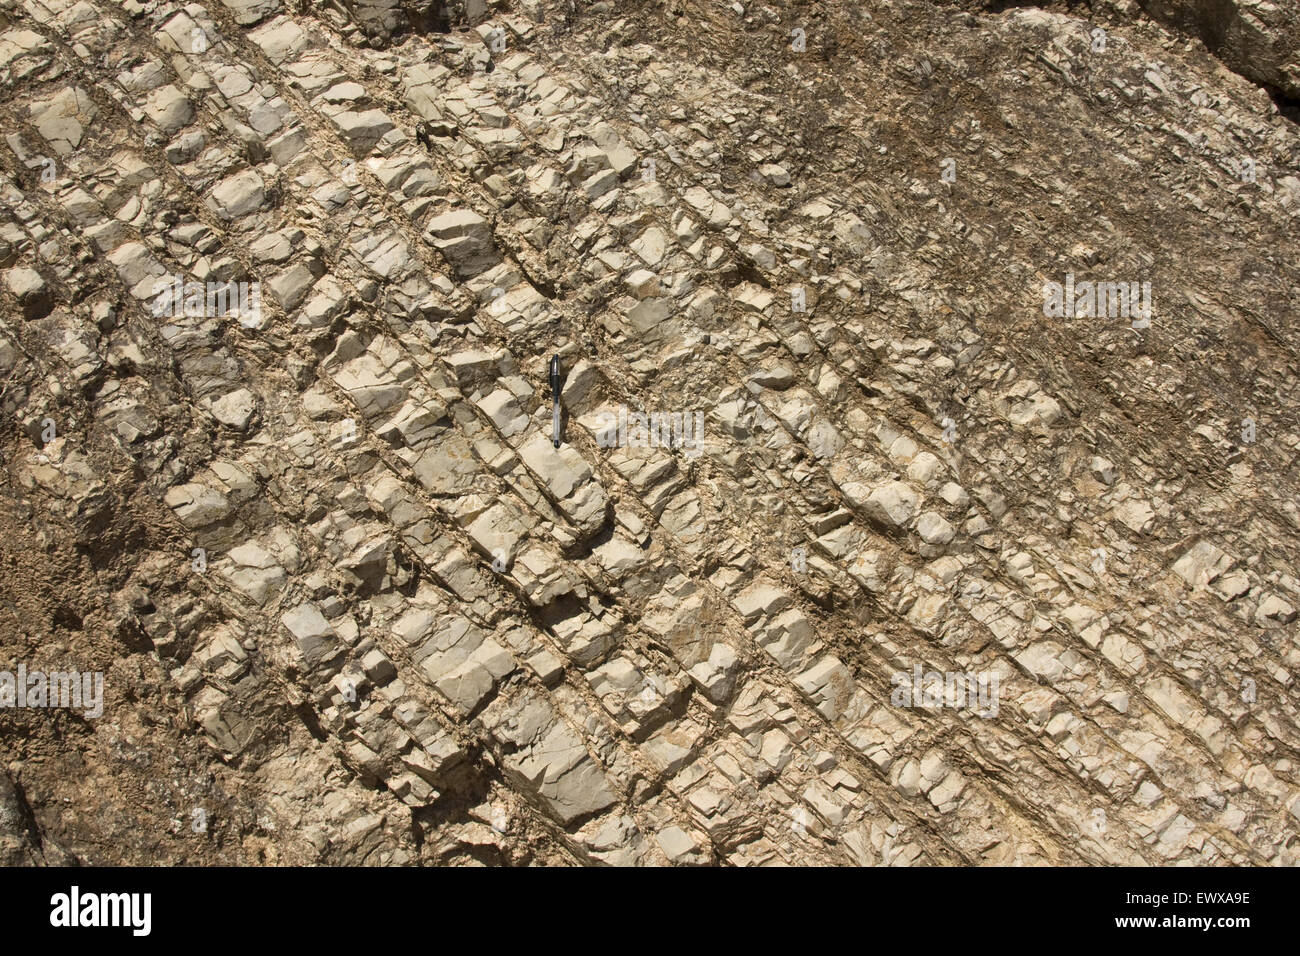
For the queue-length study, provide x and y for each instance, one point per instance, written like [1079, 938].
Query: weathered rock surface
[853, 551]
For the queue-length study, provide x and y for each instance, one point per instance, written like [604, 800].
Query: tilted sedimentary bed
[927, 485]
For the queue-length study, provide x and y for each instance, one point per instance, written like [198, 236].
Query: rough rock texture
[1260, 39]
[351, 605]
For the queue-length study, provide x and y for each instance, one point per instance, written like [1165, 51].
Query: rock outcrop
[925, 491]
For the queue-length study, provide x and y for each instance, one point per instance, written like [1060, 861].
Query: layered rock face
[1257, 38]
[925, 491]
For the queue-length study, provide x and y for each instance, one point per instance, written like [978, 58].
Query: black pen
[555, 394]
